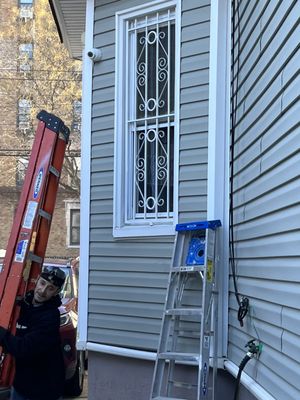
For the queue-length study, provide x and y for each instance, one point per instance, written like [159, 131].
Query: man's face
[43, 291]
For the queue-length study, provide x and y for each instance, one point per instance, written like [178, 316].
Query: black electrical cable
[254, 350]
[238, 378]
[244, 303]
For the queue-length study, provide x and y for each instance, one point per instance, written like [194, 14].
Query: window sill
[144, 231]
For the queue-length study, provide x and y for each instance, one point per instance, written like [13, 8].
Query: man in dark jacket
[36, 347]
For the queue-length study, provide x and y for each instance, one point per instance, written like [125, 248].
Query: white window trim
[70, 205]
[152, 229]
[218, 152]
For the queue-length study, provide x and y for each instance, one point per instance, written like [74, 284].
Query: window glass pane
[24, 120]
[21, 169]
[154, 171]
[26, 50]
[77, 109]
[74, 227]
[155, 71]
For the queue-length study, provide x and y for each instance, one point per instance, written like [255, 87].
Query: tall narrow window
[77, 110]
[73, 223]
[148, 120]
[74, 227]
[26, 55]
[26, 9]
[24, 118]
[22, 164]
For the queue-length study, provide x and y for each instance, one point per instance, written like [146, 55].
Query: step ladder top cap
[54, 123]
[198, 225]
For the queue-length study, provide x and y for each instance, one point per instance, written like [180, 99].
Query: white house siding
[266, 194]
[128, 277]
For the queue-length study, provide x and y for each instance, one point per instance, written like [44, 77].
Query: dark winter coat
[37, 350]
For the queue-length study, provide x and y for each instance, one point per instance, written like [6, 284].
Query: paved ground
[84, 394]
[4, 395]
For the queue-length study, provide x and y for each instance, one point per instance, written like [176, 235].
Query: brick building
[17, 57]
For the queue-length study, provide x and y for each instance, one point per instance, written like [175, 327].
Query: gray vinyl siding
[266, 194]
[128, 277]
[195, 27]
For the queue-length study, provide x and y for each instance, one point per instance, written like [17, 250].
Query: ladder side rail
[215, 314]
[207, 298]
[10, 248]
[181, 279]
[159, 366]
[204, 360]
[44, 224]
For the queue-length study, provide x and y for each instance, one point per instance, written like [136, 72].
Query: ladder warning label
[206, 342]
[209, 273]
[30, 214]
[21, 250]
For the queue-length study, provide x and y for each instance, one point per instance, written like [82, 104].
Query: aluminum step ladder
[188, 329]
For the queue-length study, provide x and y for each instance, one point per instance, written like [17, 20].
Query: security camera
[94, 54]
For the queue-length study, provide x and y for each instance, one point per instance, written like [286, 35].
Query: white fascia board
[218, 149]
[85, 189]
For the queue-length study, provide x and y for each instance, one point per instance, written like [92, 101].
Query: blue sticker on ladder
[204, 380]
[38, 183]
[196, 252]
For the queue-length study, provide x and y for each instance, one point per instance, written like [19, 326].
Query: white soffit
[70, 16]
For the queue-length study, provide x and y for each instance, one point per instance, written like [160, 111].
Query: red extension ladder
[28, 239]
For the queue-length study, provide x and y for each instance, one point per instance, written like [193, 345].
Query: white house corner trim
[218, 147]
[85, 178]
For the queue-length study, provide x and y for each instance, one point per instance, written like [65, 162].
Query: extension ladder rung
[176, 356]
[33, 257]
[45, 214]
[54, 171]
[184, 311]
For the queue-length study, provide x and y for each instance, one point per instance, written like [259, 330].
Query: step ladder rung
[185, 385]
[176, 356]
[167, 398]
[184, 311]
[188, 268]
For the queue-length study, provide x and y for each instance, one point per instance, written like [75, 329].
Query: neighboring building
[22, 77]
[156, 151]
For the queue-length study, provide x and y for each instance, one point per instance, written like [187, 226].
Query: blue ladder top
[198, 225]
